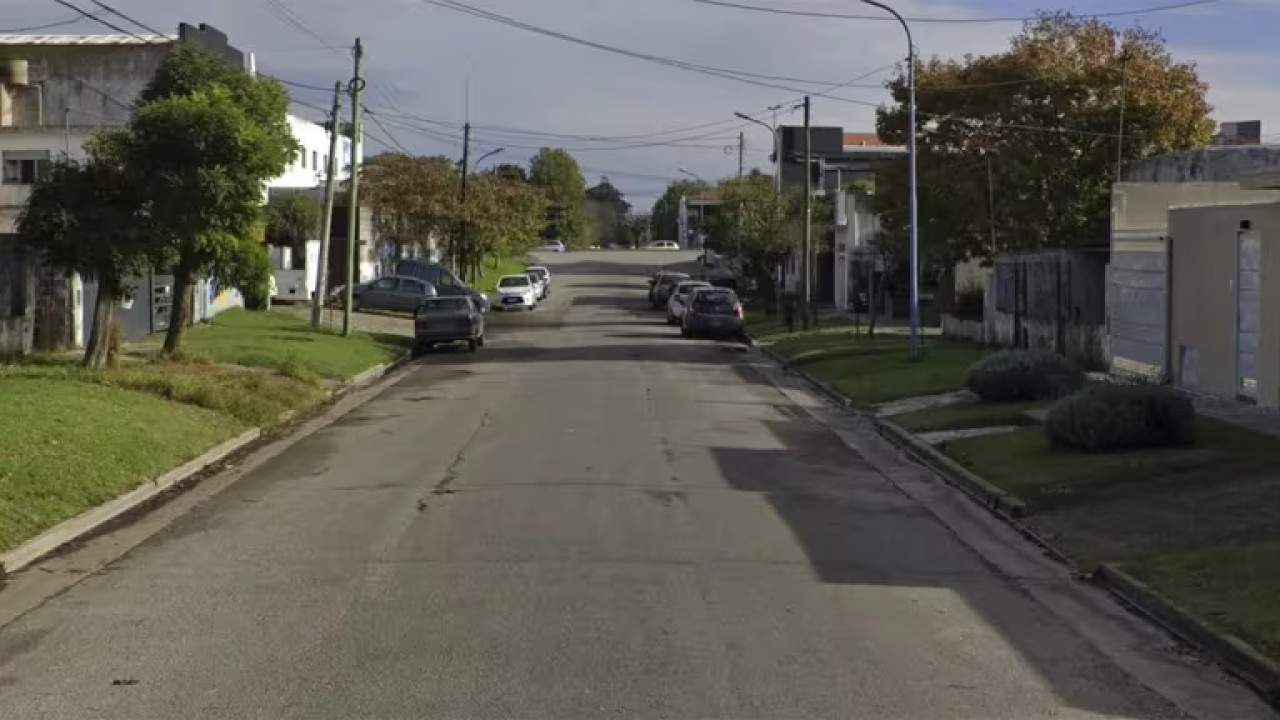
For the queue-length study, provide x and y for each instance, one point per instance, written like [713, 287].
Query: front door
[1248, 309]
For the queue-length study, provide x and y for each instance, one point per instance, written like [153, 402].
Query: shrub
[1111, 418]
[1019, 375]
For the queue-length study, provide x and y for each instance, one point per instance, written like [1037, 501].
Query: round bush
[1111, 418]
[1017, 375]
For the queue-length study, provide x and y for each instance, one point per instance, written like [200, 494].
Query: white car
[544, 275]
[663, 245]
[539, 285]
[517, 291]
[680, 299]
[553, 246]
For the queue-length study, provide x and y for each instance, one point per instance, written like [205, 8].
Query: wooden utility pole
[808, 219]
[741, 148]
[460, 254]
[326, 221]
[353, 198]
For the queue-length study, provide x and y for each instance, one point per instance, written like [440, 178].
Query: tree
[505, 216]
[204, 139]
[608, 210]
[415, 199]
[768, 226]
[513, 172]
[292, 220]
[1034, 131]
[666, 211]
[558, 174]
[84, 217]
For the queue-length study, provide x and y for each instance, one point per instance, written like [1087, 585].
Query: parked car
[545, 275]
[516, 291]
[553, 246]
[680, 298]
[539, 285]
[663, 287]
[391, 292]
[715, 313]
[663, 245]
[450, 319]
[445, 282]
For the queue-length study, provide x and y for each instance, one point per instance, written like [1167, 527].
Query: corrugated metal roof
[141, 39]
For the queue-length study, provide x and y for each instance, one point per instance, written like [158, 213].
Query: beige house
[1224, 298]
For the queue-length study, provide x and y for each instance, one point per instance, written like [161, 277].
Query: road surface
[590, 518]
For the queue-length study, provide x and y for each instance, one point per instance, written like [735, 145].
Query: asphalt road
[589, 518]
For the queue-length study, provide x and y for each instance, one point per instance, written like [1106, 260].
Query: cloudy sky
[637, 120]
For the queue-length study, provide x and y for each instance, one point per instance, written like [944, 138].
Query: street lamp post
[911, 177]
[487, 155]
[465, 172]
[697, 177]
[777, 152]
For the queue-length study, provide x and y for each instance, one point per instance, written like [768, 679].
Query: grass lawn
[1023, 463]
[876, 369]
[1236, 589]
[69, 446]
[286, 342]
[488, 279]
[967, 415]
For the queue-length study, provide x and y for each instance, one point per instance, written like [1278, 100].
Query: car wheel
[355, 304]
[685, 332]
[480, 341]
[472, 345]
[418, 350]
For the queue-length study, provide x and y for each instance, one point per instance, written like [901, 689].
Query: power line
[124, 17]
[100, 21]
[377, 121]
[951, 20]
[45, 26]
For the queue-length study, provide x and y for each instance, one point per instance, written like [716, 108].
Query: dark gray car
[447, 319]
[714, 313]
[392, 292]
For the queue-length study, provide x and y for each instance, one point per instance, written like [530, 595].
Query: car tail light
[737, 310]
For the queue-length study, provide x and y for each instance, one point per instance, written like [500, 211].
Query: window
[326, 162]
[385, 284]
[514, 281]
[451, 304]
[314, 164]
[25, 167]
[447, 280]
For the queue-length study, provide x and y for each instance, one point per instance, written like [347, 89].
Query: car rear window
[446, 304]
[513, 282]
[715, 301]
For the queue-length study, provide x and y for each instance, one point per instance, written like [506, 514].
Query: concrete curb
[1236, 656]
[94, 518]
[831, 393]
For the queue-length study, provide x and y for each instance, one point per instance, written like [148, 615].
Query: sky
[639, 122]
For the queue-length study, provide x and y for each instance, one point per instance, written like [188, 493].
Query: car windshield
[446, 304]
[513, 281]
[686, 288]
[673, 278]
[712, 301]
[540, 272]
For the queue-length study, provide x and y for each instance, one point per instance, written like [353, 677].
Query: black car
[714, 313]
[449, 319]
[391, 292]
[443, 279]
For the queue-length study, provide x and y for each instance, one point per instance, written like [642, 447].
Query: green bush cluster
[1021, 375]
[1111, 418]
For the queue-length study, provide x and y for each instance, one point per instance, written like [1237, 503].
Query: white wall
[309, 166]
[14, 197]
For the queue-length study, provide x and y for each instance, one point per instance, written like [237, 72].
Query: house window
[302, 158]
[25, 167]
[315, 165]
[326, 162]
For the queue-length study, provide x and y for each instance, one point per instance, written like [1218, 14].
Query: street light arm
[485, 156]
[761, 123]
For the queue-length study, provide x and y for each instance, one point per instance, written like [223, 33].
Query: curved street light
[911, 177]
[483, 157]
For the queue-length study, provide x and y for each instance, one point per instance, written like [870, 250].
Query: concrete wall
[1210, 164]
[309, 168]
[1204, 309]
[17, 300]
[98, 82]
[1136, 298]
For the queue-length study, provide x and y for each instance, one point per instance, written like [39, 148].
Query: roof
[862, 139]
[140, 39]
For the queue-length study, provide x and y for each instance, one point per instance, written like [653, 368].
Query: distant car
[663, 245]
[680, 299]
[391, 292]
[714, 313]
[516, 291]
[663, 287]
[449, 319]
[545, 275]
[539, 285]
[553, 246]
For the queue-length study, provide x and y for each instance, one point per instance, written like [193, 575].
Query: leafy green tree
[666, 211]
[505, 216]
[558, 174]
[292, 220]
[204, 139]
[1034, 131]
[415, 199]
[608, 209]
[84, 217]
[513, 172]
[766, 226]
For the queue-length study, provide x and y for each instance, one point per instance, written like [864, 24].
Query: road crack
[451, 472]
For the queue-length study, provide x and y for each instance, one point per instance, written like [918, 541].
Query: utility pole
[326, 221]
[742, 142]
[460, 258]
[808, 218]
[353, 199]
[741, 148]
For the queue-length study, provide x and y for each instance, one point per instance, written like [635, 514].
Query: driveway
[590, 518]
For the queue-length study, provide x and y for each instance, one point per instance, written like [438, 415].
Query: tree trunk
[873, 299]
[184, 282]
[95, 351]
